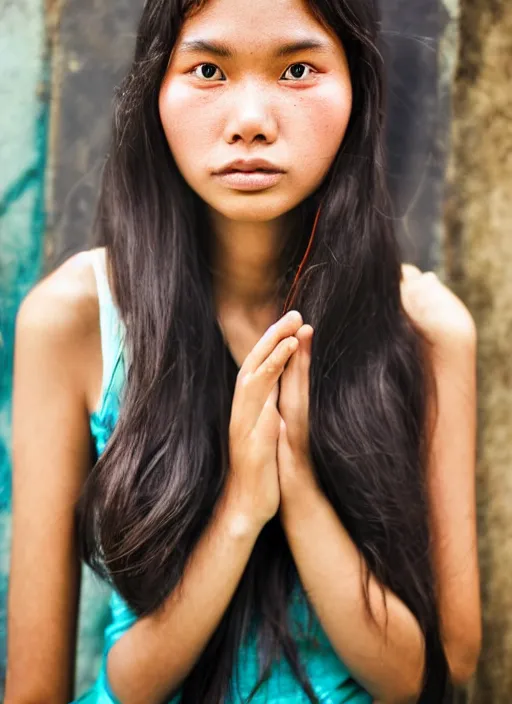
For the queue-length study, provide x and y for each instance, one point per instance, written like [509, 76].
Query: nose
[250, 116]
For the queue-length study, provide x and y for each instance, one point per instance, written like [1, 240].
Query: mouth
[250, 174]
[250, 166]
[256, 180]
[250, 171]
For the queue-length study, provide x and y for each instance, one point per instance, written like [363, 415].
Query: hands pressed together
[269, 429]
[271, 470]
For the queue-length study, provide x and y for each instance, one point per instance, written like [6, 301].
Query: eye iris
[208, 70]
[297, 70]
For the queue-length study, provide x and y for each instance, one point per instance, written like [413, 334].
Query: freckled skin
[261, 109]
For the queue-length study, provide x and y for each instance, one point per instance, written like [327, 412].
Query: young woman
[283, 417]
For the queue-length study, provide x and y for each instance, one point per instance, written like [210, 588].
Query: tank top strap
[111, 326]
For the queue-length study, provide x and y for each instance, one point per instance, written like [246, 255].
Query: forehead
[253, 25]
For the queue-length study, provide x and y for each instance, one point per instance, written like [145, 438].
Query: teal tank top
[328, 675]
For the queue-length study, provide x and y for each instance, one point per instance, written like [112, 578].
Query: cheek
[187, 123]
[324, 117]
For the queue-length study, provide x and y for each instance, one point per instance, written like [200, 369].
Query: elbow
[461, 637]
[410, 695]
[406, 690]
[462, 658]
[410, 692]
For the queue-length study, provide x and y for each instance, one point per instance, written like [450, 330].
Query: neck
[245, 263]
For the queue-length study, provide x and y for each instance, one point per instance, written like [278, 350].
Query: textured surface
[478, 264]
[23, 120]
[95, 45]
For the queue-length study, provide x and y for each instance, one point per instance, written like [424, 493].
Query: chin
[261, 206]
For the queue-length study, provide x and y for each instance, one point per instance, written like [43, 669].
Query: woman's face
[255, 80]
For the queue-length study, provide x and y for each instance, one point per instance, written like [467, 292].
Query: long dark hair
[152, 492]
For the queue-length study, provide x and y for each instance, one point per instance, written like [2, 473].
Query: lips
[250, 166]
[249, 174]
[249, 180]
[250, 171]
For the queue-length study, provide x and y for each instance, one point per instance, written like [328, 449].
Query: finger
[293, 398]
[303, 354]
[254, 389]
[305, 338]
[285, 326]
[410, 271]
[286, 463]
[274, 395]
[268, 421]
[299, 363]
[283, 446]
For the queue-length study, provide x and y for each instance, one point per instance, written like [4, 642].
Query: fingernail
[293, 314]
[270, 330]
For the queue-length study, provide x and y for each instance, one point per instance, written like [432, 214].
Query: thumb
[284, 448]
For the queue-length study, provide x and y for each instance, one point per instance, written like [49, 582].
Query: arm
[451, 473]
[51, 457]
[451, 485]
[445, 321]
[386, 658]
[153, 658]
[155, 655]
[51, 454]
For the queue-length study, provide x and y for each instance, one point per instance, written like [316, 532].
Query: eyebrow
[224, 51]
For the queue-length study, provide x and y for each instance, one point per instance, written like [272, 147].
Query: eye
[207, 72]
[297, 72]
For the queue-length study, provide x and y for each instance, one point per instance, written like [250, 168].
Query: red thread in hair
[291, 294]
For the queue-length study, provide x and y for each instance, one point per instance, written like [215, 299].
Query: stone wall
[478, 262]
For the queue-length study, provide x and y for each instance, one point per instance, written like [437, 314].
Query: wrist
[460, 356]
[300, 501]
[237, 516]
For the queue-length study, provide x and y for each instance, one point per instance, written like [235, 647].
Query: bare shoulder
[65, 301]
[57, 353]
[434, 308]
[59, 317]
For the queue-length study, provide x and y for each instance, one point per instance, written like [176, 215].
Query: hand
[296, 472]
[252, 486]
[436, 311]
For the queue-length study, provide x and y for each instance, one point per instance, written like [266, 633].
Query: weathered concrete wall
[478, 260]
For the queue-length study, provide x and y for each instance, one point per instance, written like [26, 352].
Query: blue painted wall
[25, 93]
[23, 133]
